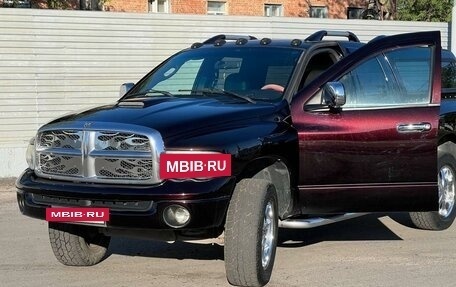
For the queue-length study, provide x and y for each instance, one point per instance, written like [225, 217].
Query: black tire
[433, 220]
[244, 233]
[76, 245]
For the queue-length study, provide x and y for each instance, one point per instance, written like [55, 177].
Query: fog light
[176, 216]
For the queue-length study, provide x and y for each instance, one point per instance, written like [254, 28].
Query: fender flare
[276, 171]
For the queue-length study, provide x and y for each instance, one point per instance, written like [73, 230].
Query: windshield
[241, 73]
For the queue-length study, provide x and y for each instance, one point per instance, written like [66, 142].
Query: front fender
[265, 150]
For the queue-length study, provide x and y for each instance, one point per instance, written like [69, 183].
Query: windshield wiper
[220, 92]
[151, 91]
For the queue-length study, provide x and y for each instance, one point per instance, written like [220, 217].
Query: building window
[216, 8]
[273, 10]
[354, 12]
[84, 4]
[319, 12]
[159, 6]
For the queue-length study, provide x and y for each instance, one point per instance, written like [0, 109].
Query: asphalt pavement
[374, 250]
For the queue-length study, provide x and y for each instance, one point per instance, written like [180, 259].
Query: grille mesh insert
[61, 165]
[124, 168]
[122, 142]
[96, 156]
[60, 139]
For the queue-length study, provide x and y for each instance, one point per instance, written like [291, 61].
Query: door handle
[414, 128]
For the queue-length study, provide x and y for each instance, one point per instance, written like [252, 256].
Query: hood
[174, 116]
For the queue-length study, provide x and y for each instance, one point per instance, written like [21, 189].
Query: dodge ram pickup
[242, 136]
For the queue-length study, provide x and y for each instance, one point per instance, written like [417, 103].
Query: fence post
[453, 29]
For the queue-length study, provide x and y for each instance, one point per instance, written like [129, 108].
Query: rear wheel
[77, 245]
[251, 233]
[442, 219]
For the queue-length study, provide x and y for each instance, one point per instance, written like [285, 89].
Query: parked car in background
[17, 3]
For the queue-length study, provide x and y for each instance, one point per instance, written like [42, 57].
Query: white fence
[53, 62]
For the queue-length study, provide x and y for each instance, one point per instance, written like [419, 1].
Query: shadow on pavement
[364, 228]
[178, 250]
[367, 227]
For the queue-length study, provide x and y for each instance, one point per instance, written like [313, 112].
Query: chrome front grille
[96, 154]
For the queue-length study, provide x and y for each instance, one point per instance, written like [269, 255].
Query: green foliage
[424, 10]
[58, 4]
[449, 76]
[66, 4]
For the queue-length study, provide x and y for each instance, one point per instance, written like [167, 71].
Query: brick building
[289, 8]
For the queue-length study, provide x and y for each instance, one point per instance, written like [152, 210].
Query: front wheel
[442, 219]
[251, 231]
[77, 245]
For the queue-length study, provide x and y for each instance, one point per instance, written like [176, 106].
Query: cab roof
[350, 43]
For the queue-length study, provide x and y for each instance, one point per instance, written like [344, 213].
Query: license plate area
[96, 216]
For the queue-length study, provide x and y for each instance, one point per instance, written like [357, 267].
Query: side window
[317, 65]
[369, 85]
[182, 78]
[413, 69]
[395, 78]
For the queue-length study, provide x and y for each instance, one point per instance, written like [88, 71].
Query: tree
[424, 10]
[58, 4]
[449, 76]
[380, 10]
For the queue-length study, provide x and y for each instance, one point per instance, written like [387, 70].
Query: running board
[316, 221]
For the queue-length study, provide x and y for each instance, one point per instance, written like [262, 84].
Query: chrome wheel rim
[446, 183]
[268, 235]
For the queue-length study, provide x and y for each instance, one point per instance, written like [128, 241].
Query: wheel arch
[447, 138]
[277, 171]
[447, 147]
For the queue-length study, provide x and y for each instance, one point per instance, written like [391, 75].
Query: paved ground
[367, 251]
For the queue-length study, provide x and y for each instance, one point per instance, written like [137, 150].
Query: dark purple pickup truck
[318, 130]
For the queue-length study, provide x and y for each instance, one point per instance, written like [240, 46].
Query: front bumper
[132, 207]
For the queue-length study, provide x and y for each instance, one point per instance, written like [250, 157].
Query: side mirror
[124, 88]
[333, 95]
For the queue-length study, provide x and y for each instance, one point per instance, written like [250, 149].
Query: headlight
[30, 155]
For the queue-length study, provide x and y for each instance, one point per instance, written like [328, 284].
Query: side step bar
[316, 221]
